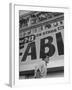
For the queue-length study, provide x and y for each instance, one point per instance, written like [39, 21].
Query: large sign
[42, 41]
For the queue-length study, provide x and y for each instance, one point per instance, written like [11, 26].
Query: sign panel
[39, 42]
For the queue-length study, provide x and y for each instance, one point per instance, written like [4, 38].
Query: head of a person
[46, 59]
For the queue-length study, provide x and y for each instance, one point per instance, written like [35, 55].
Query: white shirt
[42, 68]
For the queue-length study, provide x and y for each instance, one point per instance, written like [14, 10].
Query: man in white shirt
[41, 68]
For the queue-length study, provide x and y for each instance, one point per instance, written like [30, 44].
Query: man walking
[41, 68]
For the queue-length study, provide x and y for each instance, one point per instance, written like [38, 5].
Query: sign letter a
[32, 53]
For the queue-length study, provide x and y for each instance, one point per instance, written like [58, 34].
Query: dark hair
[45, 57]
